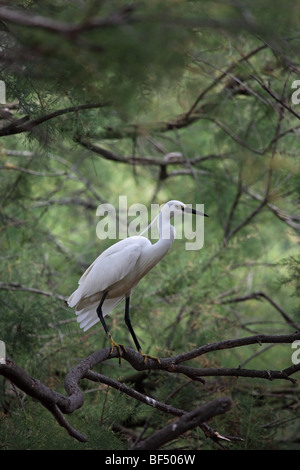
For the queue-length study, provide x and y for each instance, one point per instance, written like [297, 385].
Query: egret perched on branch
[114, 274]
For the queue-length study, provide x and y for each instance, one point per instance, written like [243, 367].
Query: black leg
[113, 344]
[99, 313]
[129, 325]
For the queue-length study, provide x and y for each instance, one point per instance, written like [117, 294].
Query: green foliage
[143, 70]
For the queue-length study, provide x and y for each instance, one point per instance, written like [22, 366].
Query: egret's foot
[118, 346]
[147, 356]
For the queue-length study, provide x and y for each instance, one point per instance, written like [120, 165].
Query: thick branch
[68, 30]
[59, 404]
[164, 407]
[235, 343]
[186, 422]
[55, 402]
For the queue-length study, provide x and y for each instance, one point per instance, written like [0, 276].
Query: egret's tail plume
[88, 317]
[74, 298]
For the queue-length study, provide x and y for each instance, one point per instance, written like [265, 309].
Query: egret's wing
[110, 267]
[118, 247]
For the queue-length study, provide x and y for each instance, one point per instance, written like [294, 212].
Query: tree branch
[186, 422]
[168, 159]
[224, 75]
[24, 124]
[19, 287]
[60, 404]
[67, 30]
[276, 98]
[257, 295]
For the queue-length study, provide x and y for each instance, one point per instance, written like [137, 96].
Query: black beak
[194, 211]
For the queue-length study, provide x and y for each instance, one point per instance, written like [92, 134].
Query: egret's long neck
[165, 229]
[166, 235]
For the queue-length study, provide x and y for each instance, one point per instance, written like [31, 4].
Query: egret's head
[177, 207]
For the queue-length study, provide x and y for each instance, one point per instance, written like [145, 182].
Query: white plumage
[117, 270]
[113, 275]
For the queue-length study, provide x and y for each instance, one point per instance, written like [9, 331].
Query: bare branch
[257, 295]
[265, 199]
[186, 422]
[276, 98]
[233, 208]
[224, 75]
[18, 287]
[234, 343]
[11, 166]
[244, 222]
[290, 219]
[95, 377]
[77, 201]
[133, 160]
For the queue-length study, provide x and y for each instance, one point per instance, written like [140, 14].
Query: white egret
[114, 274]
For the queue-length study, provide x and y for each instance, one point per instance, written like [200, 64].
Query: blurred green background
[211, 81]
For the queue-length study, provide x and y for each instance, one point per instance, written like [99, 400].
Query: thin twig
[19, 287]
[257, 295]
